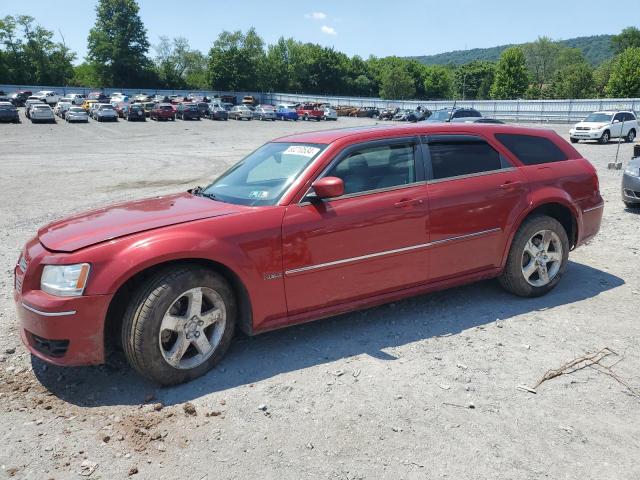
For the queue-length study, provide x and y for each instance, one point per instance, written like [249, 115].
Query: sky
[356, 27]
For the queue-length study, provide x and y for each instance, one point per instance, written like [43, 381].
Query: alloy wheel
[192, 328]
[541, 258]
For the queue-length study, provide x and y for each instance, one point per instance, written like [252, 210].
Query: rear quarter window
[531, 149]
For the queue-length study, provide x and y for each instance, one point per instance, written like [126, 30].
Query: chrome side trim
[47, 314]
[587, 210]
[391, 252]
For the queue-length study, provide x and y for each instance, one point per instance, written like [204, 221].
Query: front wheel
[574, 140]
[537, 257]
[179, 324]
[606, 136]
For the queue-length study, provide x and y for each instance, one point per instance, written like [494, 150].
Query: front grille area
[583, 128]
[631, 193]
[52, 348]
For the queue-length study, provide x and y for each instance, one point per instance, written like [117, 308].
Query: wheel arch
[125, 291]
[557, 209]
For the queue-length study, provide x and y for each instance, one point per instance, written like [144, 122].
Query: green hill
[596, 49]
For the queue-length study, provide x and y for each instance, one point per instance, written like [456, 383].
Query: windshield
[77, 110]
[264, 176]
[598, 118]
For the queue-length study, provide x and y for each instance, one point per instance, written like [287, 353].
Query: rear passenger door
[475, 194]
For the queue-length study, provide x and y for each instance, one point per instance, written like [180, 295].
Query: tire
[574, 140]
[147, 346]
[305, 117]
[604, 139]
[631, 205]
[513, 277]
[631, 136]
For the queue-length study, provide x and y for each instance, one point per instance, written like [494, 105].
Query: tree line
[121, 56]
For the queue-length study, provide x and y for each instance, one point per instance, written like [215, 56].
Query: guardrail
[553, 111]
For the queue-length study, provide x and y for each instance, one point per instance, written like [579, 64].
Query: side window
[619, 117]
[530, 149]
[629, 117]
[376, 167]
[454, 157]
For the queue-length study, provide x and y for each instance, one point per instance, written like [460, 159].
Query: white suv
[47, 96]
[603, 126]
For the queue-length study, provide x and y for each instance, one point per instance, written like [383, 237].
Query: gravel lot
[423, 388]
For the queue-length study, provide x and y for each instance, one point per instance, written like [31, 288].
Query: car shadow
[371, 332]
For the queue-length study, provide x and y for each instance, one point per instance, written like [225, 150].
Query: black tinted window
[376, 167]
[461, 156]
[531, 150]
[629, 117]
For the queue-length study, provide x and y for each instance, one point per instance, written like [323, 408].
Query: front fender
[248, 245]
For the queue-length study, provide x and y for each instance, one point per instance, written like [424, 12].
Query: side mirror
[616, 121]
[328, 187]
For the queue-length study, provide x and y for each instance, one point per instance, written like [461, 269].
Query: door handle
[510, 184]
[408, 202]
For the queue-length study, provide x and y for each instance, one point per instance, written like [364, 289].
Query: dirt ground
[424, 388]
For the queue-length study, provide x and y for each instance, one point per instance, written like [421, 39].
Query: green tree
[624, 81]
[396, 83]
[28, 54]
[178, 66]
[541, 60]
[437, 82]
[236, 61]
[573, 81]
[118, 45]
[84, 75]
[511, 79]
[473, 80]
[601, 77]
[629, 37]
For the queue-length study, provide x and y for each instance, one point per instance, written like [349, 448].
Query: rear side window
[530, 149]
[458, 155]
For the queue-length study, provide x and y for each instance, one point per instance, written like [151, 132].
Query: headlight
[65, 280]
[632, 170]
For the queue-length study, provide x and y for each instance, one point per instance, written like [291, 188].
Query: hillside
[596, 49]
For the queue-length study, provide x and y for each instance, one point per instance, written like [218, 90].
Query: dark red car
[305, 227]
[163, 111]
[310, 111]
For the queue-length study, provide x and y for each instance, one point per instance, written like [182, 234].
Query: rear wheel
[179, 325]
[537, 258]
[631, 136]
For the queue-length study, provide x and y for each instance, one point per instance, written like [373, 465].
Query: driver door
[371, 240]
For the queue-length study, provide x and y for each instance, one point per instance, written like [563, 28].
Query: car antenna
[452, 109]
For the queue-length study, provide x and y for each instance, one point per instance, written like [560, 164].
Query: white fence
[511, 110]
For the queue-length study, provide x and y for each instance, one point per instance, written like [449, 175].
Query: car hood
[95, 226]
[590, 124]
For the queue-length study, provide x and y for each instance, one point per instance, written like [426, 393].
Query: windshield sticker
[259, 194]
[302, 150]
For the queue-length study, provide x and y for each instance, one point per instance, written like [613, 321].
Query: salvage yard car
[310, 111]
[104, 112]
[9, 113]
[264, 112]
[241, 112]
[41, 113]
[135, 111]
[305, 227]
[163, 111]
[631, 183]
[76, 114]
[188, 111]
[285, 112]
[217, 112]
[603, 126]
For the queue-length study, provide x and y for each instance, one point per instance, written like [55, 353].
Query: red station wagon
[305, 227]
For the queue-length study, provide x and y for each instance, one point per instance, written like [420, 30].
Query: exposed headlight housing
[65, 280]
[634, 171]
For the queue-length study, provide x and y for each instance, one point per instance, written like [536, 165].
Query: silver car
[61, 108]
[631, 184]
[105, 112]
[76, 114]
[41, 113]
[330, 113]
[264, 113]
[241, 112]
